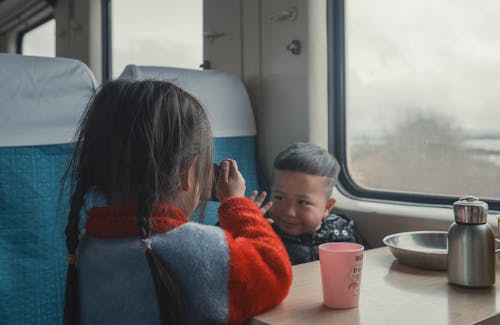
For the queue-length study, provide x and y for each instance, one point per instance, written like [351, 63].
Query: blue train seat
[225, 99]
[41, 102]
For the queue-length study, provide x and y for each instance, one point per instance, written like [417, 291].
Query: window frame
[106, 41]
[337, 139]
[23, 32]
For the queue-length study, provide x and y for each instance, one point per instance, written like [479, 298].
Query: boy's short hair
[310, 159]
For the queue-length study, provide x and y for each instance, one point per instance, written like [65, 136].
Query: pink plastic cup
[341, 265]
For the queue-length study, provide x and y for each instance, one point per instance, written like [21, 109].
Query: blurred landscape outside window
[422, 96]
[165, 33]
[40, 41]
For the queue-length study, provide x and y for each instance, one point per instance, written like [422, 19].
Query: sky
[157, 32]
[41, 41]
[429, 55]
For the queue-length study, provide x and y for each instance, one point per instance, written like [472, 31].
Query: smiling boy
[303, 183]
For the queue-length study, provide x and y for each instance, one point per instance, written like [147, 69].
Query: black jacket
[334, 228]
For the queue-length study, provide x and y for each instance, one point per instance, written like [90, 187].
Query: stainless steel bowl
[423, 249]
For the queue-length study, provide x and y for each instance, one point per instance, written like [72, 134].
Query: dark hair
[310, 159]
[135, 142]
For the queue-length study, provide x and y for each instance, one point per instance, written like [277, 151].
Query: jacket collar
[121, 221]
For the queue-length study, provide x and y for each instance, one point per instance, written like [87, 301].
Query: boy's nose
[290, 210]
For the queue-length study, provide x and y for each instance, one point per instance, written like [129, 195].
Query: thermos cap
[470, 209]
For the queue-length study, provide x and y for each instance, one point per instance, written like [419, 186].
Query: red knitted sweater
[260, 270]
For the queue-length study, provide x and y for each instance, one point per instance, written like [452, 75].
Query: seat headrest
[42, 99]
[222, 95]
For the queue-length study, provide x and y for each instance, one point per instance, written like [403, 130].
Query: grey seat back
[41, 102]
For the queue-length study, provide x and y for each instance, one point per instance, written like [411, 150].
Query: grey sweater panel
[116, 286]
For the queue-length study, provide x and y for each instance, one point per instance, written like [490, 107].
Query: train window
[156, 32]
[39, 39]
[418, 86]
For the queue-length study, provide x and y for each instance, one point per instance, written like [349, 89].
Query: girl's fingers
[261, 198]
[253, 195]
[224, 170]
[266, 208]
[232, 167]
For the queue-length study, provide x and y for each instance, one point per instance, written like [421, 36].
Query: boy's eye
[277, 197]
[303, 202]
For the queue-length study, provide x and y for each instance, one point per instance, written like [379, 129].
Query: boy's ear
[330, 203]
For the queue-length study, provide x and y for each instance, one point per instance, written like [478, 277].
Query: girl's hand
[230, 181]
[259, 200]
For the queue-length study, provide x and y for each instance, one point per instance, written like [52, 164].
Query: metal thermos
[471, 245]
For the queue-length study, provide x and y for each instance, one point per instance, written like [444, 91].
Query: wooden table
[391, 293]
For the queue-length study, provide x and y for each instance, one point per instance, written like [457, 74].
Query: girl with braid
[144, 149]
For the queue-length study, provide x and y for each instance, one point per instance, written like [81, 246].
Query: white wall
[252, 45]
[78, 32]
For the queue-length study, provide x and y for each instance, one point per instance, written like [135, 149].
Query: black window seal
[336, 123]
[106, 46]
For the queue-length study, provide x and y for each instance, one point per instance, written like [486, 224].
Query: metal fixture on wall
[205, 65]
[294, 47]
[286, 14]
[212, 36]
